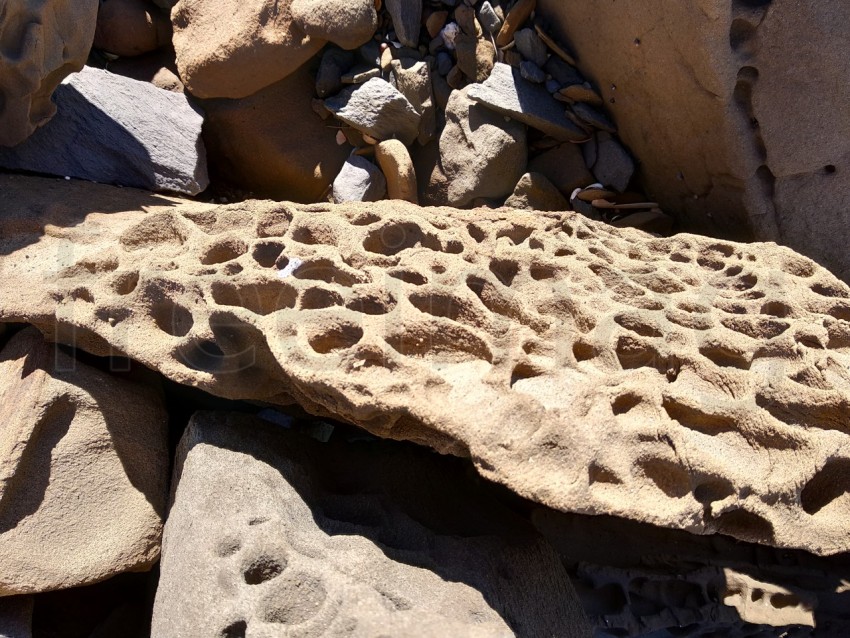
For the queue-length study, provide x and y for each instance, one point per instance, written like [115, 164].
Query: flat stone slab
[270, 529]
[507, 92]
[111, 129]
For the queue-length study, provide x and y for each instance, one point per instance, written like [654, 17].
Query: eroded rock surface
[269, 530]
[686, 382]
[42, 43]
[83, 461]
[664, 580]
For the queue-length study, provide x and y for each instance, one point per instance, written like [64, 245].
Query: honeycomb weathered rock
[686, 382]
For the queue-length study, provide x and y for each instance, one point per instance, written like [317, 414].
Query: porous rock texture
[41, 42]
[685, 381]
[270, 530]
[83, 461]
[665, 582]
[732, 108]
[233, 48]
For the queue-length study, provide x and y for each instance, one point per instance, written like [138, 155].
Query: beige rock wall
[737, 111]
[687, 382]
[83, 465]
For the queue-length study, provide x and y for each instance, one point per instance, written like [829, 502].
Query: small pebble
[449, 33]
[532, 72]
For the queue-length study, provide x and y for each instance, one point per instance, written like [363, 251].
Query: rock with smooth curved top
[346, 23]
[131, 27]
[83, 470]
[393, 158]
[233, 48]
[42, 43]
[270, 529]
[686, 382]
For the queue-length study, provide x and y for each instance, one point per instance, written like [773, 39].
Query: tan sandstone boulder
[272, 143]
[233, 48]
[42, 43]
[271, 531]
[686, 382]
[83, 470]
[732, 108]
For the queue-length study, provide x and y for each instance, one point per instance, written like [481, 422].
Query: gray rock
[483, 154]
[529, 44]
[505, 91]
[535, 192]
[594, 117]
[378, 109]
[359, 181]
[112, 129]
[370, 53]
[562, 72]
[552, 85]
[444, 63]
[16, 617]
[613, 166]
[272, 531]
[413, 79]
[532, 72]
[335, 63]
[488, 18]
[406, 15]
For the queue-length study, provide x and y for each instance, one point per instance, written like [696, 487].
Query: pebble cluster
[499, 56]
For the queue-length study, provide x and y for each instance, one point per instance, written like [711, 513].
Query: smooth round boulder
[234, 48]
[347, 23]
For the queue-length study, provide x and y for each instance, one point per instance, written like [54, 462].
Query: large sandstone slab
[686, 382]
[269, 530]
[83, 470]
[43, 42]
[111, 129]
[732, 109]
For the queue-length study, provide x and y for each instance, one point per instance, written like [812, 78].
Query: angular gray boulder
[378, 109]
[507, 92]
[482, 153]
[115, 130]
[271, 532]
